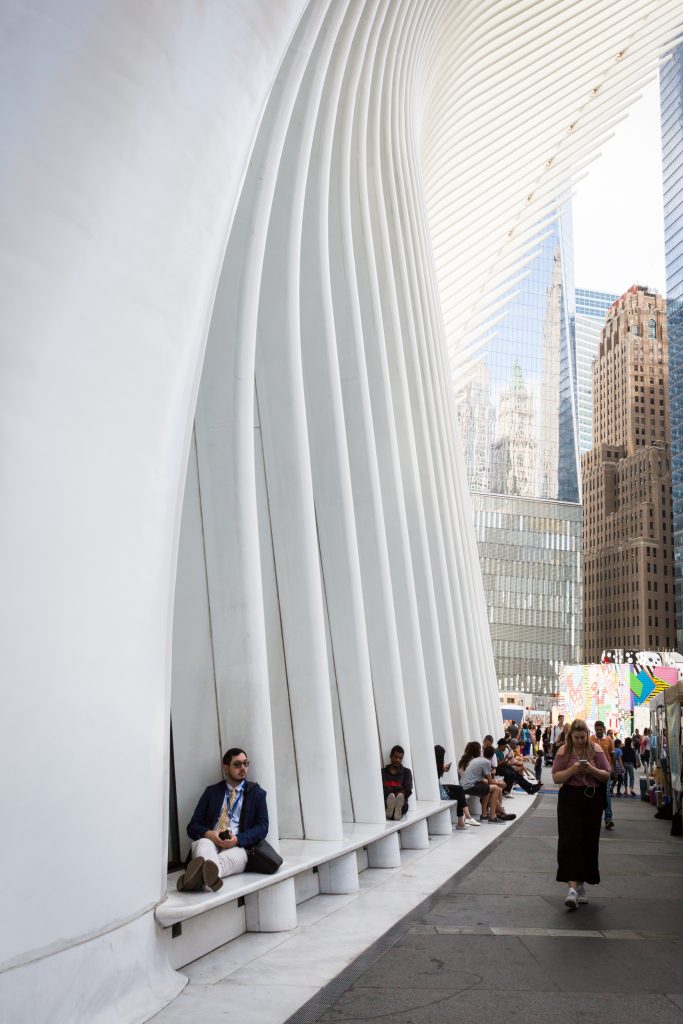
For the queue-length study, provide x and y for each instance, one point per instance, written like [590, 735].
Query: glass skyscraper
[518, 413]
[671, 95]
[591, 310]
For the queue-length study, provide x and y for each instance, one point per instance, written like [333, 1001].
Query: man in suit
[230, 818]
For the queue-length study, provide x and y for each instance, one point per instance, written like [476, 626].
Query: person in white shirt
[557, 729]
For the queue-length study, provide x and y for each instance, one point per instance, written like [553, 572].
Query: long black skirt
[579, 817]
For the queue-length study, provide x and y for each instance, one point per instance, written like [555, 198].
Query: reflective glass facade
[517, 409]
[591, 310]
[518, 413]
[671, 90]
[530, 554]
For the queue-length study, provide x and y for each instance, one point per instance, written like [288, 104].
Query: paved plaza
[496, 940]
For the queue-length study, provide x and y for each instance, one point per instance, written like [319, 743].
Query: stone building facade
[629, 599]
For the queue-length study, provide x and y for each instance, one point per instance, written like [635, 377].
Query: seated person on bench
[511, 768]
[476, 778]
[450, 792]
[397, 783]
[230, 818]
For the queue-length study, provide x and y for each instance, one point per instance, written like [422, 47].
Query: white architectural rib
[611, 45]
[321, 206]
[347, 280]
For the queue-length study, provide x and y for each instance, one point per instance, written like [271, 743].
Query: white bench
[195, 923]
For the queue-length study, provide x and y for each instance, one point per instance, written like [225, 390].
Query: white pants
[230, 862]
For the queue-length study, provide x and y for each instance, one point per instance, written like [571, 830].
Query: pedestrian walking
[618, 767]
[606, 742]
[628, 757]
[582, 770]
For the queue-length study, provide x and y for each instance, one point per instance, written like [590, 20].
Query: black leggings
[456, 793]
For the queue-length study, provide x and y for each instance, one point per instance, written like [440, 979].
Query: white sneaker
[398, 807]
[390, 805]
[571, 900]
[581, 895]
[473, 822]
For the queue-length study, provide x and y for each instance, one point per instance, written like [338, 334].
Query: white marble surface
[299, 855]
[263, 979]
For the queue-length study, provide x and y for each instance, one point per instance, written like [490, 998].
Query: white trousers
[230, 862]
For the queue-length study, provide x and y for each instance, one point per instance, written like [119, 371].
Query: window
[653, 329]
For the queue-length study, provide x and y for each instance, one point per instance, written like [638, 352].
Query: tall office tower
[591, 311]
[671, 94]
[518, 414]
[629, 597]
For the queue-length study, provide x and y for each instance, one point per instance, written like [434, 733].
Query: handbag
[263, 858]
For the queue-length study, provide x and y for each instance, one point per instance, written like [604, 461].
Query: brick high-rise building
[628, 545]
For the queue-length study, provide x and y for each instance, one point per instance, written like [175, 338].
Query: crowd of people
[487, 770]
[231, 818]
[590, 769]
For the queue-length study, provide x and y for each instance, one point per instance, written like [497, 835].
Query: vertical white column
[415, 374]
[383, 641]
[329, 456]
[279, 383]
[413, 590]
[224, 425]
[350, 294]
[427, 339]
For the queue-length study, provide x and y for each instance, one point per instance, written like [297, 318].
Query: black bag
[263, 858]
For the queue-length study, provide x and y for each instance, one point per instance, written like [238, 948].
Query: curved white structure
[308, 206]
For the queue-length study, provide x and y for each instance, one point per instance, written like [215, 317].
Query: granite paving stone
[457, 962]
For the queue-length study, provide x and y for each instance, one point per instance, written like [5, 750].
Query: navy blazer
[253, 826]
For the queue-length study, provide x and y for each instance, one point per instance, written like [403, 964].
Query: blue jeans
[608, 807]
[630, 777]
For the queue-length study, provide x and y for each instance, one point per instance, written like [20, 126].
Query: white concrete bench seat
[253, 902]
[298, 855]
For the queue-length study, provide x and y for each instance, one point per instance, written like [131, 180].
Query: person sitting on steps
[397, 783]
[230, 818]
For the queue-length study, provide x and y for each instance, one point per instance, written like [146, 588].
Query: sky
[617, 209]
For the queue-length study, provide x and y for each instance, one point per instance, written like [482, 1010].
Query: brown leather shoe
[192, 878]
[210, 875]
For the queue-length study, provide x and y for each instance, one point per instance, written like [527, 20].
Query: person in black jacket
[230, 818]
[397, 783]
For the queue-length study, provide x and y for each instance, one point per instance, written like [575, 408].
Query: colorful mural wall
[609, 692]
[645, 681]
